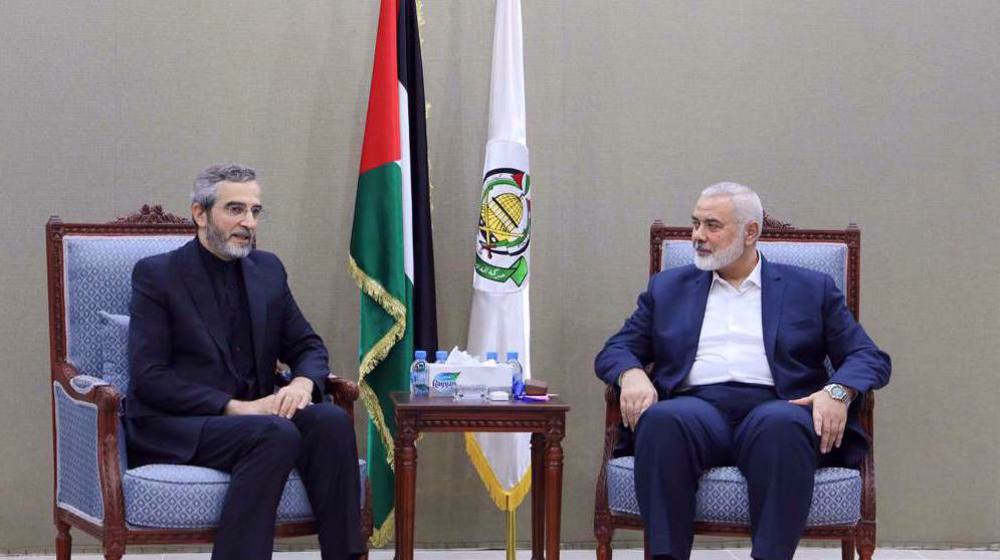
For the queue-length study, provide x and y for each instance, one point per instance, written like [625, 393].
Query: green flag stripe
[386, 336]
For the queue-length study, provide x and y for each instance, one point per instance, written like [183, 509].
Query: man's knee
[671, 415]
[327, 419]
[279, 434]
[780, 418]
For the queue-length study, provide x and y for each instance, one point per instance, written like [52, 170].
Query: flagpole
[512, 534]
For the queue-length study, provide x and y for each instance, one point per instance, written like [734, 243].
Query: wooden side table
[545, 420]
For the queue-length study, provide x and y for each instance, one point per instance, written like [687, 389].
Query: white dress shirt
[731, 344]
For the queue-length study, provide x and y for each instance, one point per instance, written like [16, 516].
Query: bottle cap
[491, 356]
[420, 355]
[441, 356]
[511, 356]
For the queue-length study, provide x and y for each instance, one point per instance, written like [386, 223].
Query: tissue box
[445, 377]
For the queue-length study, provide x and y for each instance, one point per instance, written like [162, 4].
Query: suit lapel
[200, 287]
[257, 302]
[698, 297]
[772, 292]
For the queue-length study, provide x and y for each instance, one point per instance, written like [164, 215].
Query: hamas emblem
[504, 227]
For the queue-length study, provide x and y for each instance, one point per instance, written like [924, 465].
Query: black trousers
[771, 441]
[259, 452]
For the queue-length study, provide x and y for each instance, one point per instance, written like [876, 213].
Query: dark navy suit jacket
[805, 319]
[181, 368]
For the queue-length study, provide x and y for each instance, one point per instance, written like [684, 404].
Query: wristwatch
[838, 392]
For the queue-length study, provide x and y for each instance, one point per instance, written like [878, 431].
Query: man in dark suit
[738, 346]
[208, 323]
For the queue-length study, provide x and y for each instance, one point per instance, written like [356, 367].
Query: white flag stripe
[500, 319]
[404, 164]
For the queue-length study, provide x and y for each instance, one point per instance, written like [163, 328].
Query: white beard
[721, 258]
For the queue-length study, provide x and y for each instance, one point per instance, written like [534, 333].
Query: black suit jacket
[181, 368]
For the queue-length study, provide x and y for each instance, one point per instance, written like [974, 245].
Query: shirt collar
[752, 280]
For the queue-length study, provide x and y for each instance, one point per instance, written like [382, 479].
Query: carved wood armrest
[613, 413]
[105, 397]
[344, 392]
[612, 419]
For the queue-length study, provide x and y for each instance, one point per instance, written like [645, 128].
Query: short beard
[221, 245]
[723, 258]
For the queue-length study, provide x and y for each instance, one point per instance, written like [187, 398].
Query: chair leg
[847, 549]
[604, 531]
[645, 545]
[604, 551]
[865, 538]
[64, 542]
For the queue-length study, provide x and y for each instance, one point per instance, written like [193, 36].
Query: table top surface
[404, 401]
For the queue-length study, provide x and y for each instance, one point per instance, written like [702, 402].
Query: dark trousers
[259, 452]
[771, 441]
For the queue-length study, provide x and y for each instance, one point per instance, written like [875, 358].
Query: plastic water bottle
[441, 356]
[517, 377]
[419, 375]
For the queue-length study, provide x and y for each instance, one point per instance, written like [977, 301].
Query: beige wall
[881, 113]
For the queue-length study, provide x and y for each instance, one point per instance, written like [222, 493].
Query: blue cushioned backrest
[98, 273]
[828, 258]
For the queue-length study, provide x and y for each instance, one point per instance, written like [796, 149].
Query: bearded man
[738, 346]
[208, 322]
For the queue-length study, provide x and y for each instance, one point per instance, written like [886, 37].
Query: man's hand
[829, 418]
[245, 408]
[638, 394]
[292, 397]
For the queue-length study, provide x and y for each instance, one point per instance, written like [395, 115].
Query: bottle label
[443, 384]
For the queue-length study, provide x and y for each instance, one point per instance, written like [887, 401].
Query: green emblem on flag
[516, 273]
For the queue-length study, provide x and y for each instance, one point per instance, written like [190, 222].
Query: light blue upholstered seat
[97, 273]
[188, 497]
[722, 495]
[722, 492]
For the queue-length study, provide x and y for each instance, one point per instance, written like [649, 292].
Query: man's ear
[753, 233]
[199, 214]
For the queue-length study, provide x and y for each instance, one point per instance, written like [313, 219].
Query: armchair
[89, 271]
[843, 505]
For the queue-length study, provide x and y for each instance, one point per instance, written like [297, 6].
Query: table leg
[537, 497]
[553, 489]
[406, 490]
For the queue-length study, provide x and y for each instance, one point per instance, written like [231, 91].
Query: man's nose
[697, 233]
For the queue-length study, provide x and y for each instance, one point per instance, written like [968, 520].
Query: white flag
[499, 320]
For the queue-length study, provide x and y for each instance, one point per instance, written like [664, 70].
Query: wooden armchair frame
[860, 535]
[114, 534]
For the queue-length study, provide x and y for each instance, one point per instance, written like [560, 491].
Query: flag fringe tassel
[371, 288]
[505, 500]
[381, 535]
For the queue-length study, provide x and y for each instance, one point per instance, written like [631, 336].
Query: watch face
[838, 392]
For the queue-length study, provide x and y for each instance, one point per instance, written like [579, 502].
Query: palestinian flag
[392, 257]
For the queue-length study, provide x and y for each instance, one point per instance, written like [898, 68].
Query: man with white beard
[738, 345]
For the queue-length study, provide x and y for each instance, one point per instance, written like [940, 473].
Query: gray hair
[206, 184]
[746, 203]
